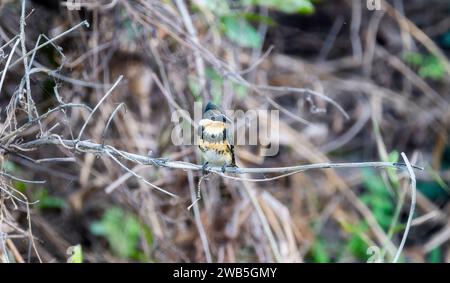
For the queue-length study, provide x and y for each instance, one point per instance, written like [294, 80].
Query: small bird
[215, 139]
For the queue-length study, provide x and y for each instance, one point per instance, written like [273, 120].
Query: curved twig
[98, 105]
[88, 146]
[412, 208]
[20, 180]
[110, 120]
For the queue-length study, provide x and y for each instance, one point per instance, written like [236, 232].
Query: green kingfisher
[215, 138]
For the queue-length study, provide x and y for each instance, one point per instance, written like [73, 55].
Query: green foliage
[356, 245]
[238, 30]
[437, 188]
[377, 198]
[304, 7]
[434, 189]
[318, 252]
[445, 41]
[218, 7]
[216, 82]
[20, 186]
[435, 256]
[216, 86]
[9, 166]
[46, 201]
[391, 172]
[13, 169]
[252, 17]
[194, 87]
[77, 255]
[428, 66]
[236, 25]
[123, 232]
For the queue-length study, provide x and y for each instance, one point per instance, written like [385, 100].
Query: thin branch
[91, 147]
[197, 218]
[199, 191]
[7, 63]
[199, 63]
[98, 105]
[56, 159]
[263, 219]
[21, 180]
[412, 208]
[85, 23]
[30, 103]
[121, 105]
[25, 126]
[140, 177]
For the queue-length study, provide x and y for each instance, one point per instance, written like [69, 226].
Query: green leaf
[287, 6]
[319, 252]
[218, 7]
[356, 245]
[52, 202]
[432, 69]
[393, 157]
[412, 58]
[20, 186]
[123, 232]
[77, 255]
[240, 90]
[428, 65]
[377, 197]
[47, 201]
[252, 17]
[194, 87]
[216, 85]
[373, 182]
[240, 31]
[9, 166]
[435, 256]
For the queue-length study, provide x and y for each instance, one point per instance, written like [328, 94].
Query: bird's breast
[217, 153]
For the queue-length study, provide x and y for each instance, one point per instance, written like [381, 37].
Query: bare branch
[20, 180]
[412, 208]
[7, 63]
[85, 23]
[121, 105]
[91, 147]
[98, 105]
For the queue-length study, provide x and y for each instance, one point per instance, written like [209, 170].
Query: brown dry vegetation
[344, 51]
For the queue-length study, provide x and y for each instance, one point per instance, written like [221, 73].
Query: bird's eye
[213, 118]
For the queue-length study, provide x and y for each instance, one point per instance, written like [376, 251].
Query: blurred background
[385, 63]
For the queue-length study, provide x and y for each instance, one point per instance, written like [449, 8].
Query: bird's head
[213, 113]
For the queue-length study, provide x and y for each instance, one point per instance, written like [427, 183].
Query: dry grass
[87, 110]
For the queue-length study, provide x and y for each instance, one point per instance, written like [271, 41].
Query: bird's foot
[224, 167]
[204, 167]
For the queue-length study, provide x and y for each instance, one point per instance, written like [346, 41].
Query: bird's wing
[228, 133]
[200, 131]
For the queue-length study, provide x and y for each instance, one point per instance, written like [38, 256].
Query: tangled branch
[87, 146]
